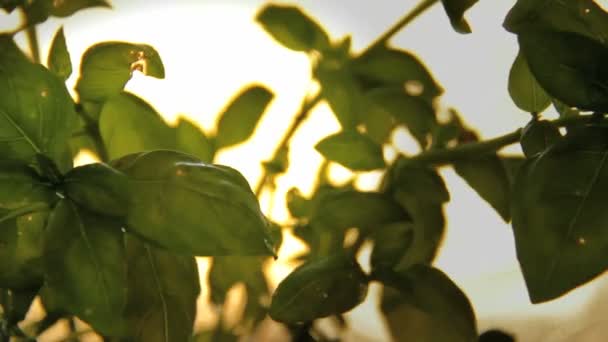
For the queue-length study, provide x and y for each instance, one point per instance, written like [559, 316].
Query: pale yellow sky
[212, 48]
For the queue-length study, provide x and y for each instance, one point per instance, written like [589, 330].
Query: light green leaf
[162, 291]
[293, 28]
[423, 304]
[99, 188]
[488, 177]
[343, 94]
[36, 112]
[352, 150]
[319, 288]
[85, 267]
[559, 214]
[525, 91]
[455, 10]
[128, 124]
[238, 121]
[106, 67]
[190, 139]
[59, 60]
[569, 66]
[193, 208]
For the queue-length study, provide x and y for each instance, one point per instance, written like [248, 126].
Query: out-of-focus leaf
[59, 60]
[227, 271]
[352, 150]
[193, 208]
[341, 91]
[279, 164]
[293, 28]
[216, 335]
[570, 67]
[10, 5]
[384, 66]
[106, 67]
[99, 188]
[391, 242]
[162, 291]
[564, 110]
[525, 91]
[36, 112]
[128, 125]
[487, 176]
[298, 205]
[239, 119]
[16, 303]
[190, 139]
[85, 266]
[537, 136]
[65, 8]
[423, 304]
[495, 335]
[455, 10]
[558, 214]
[319, 288]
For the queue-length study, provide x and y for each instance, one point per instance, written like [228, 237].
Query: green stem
[32, 37]
[469, 150]
[309, 104]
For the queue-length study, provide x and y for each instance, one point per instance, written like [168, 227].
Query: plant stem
[32, 37]
[469, 150]
[309, 104]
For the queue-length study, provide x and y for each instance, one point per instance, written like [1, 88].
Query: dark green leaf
[488, 177]
[293, 28]
[128, 125]
[352, 150]
[420, 180]
[564, 110]
[385, 66]
[569, 66]
[99, 188]
[512, 165]
[162, 292]
[190, 207]
[59, 60]
[21, 244]
[20, 186]
[319, 288]
[85, 266]
[584, 17]
[537, 136]
[191, 139]
[227, 271]
[16, 303]
[559, 214]
[36, 112]
[10, 5]
[416, 113]
[350, 208]
[65, 8]
[525, 91]
[342, 92]
[36, 11]
[495, 335]
[391, 242]
[239, 119]
[455, 10]
[298, 205]
[423, 304]
[106, 67]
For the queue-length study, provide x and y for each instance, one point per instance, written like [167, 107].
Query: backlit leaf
[525, 91]
[59, 60]
[352, 150]
[455, 10]
[190, 139]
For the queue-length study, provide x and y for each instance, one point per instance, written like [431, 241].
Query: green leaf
[537, 136]
[106, 67]
[352, 150]
[391, 242]
[193, 208]
[298, 205]
[420, 180]
[488, 177]
[65, 8]
[16, 303]
[99, 188]
[385, 66]
[455, 10]
[584, 17]
[416, 113]
[423, 304]
[238, 121]
[570, 67]
[559, 214]
[293, 28]
[564, 110]
[162, 292]
[20, 186]
[191, 139]
[525, 91]
[227, 271]
[512, 165]
[379, 123]
[10, 5]
[350, 208]
[85, 266]
[279, 164]
[495, 335]
[128, 125]
[342, 92]
[59, 60]
[319, 288]
[36, 112]
[21, 244]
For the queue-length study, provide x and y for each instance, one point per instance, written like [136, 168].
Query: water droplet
[324, 295]
[122, 229]
[29, 218]
[414, 87]
[581, 241]
[586, 10]
[179, 172]
[44, 93]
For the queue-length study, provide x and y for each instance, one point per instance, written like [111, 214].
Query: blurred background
[211, 49]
